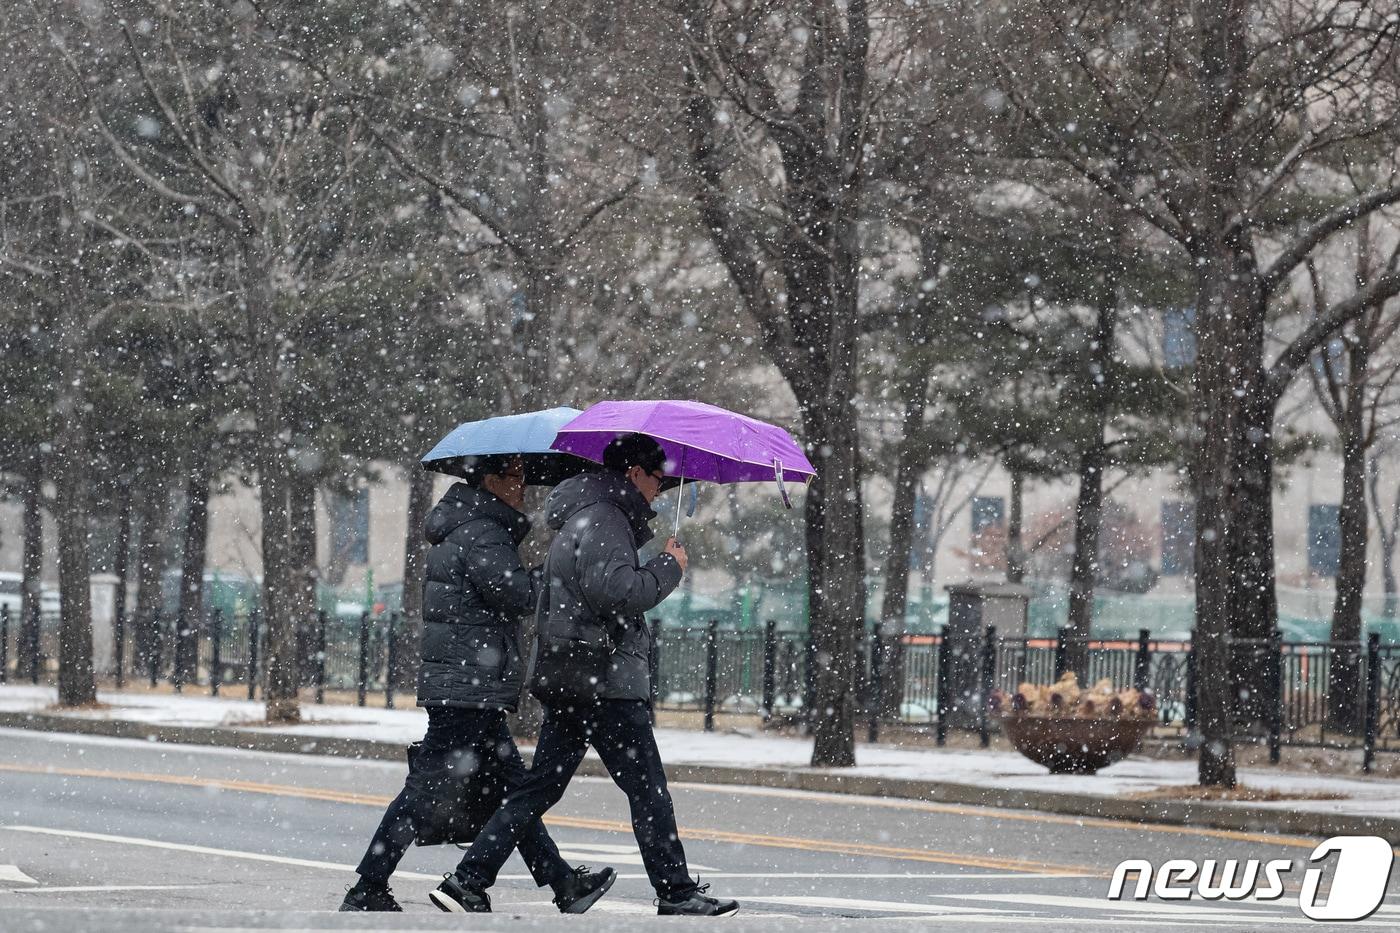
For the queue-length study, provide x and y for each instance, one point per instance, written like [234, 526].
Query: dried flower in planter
[1066, 699]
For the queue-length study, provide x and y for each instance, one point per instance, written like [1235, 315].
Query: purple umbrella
[702, 442]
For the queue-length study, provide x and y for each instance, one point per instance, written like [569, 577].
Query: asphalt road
[120, 835]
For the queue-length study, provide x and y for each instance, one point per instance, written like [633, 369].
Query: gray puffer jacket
[597, 586]
[475, 592]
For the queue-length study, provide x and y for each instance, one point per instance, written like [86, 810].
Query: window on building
[1178, 537]
[349, 520]
[987, 512]
[1324, 540]
[1178, 337]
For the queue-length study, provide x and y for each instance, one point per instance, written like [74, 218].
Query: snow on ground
[1001, 769]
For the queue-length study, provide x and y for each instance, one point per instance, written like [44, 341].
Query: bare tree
[240, 135]
[1353, 378]
[1218, 107]
[778, 113]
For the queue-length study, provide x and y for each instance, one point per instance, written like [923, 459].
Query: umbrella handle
[676, 529]
[782, 487]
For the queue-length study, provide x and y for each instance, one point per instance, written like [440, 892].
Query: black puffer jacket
[475, 591]
[596, 584]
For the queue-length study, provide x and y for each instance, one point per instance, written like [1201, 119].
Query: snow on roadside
[746, 749]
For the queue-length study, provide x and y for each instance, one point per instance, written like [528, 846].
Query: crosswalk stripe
[204, 850]
[10, 874]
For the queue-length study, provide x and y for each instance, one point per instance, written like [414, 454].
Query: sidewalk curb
[1236, 817]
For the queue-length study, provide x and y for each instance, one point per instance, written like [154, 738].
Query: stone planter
[1074, 745]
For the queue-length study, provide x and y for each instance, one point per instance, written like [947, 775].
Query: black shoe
[457, 896]
[695, 904]
[370, 897]
[582, 889]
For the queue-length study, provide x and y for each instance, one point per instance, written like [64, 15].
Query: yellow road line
[833, 847]
[999, 813]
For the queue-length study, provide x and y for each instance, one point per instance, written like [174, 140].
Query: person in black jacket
[597, 592]
[475, 591]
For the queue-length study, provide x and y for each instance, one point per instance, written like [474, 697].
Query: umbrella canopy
[528, 435]
[702, 442]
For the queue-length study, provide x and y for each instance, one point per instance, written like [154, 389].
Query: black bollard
[154, 659]
[1142, 661]
[362, 681]
[1373, 700]
[216, 651]
[321, 656]
[253, 625]
[711, 672]
[1276, 696]
[877, 681]
[4, 644]
[177, 673]
[989, 667]
[119, 647]
[770, 665]
[391, 658]
[1189, 713]
[32, 648]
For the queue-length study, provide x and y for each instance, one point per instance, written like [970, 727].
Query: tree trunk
[122, 569]
[1015, 529]
[1344, 706]
[1227, 368]
[76, 684]
[1084, 571]
[913, 462]
[1228, 436]
[841, 614]
[192, 559]
[280, 691]
[1387, 532]
[420, 502]
[301, 541]
[149, 628]
[31, 585]
[1088, 512]
[1253, 601]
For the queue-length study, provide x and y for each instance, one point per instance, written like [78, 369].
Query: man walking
[474, 593]
[598, 591]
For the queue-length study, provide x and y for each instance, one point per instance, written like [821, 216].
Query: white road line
[205, 850]
[86, 888]
[1164, 912]
[10, 874]
[851, 903]
[1191, 909]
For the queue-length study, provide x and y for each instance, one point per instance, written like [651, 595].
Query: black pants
[620, 731]
[478, 735]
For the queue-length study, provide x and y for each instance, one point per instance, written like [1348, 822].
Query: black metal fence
[909, 680]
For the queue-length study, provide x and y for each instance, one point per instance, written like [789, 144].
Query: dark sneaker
[581, 890]
[695, 904]
[457, 896]
[370, 897]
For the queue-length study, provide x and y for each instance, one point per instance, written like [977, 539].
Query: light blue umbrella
[527, 435]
